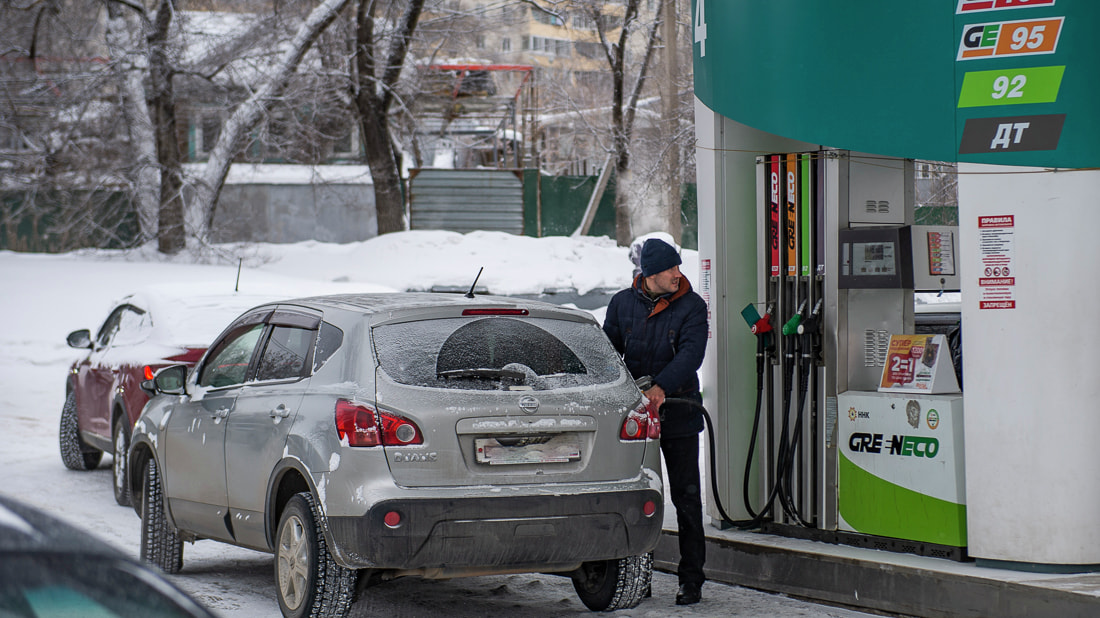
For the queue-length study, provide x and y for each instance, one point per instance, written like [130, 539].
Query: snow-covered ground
[48, 296]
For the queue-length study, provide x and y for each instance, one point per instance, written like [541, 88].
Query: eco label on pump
[997, 276]
[914, 364]
[773, 214]
[791, 199]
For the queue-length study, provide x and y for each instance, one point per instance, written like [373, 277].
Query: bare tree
[249, 113]
[628, 44]
[376, 78]
[60, 150]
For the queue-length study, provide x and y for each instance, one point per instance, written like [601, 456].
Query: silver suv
[366, 437]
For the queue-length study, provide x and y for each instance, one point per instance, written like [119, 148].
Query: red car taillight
[358, 424]
[641, 424]
[654, 424]
[399, 431]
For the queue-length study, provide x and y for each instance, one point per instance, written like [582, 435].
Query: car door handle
[280, 411]
[220, 413]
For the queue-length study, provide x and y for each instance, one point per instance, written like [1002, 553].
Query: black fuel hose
[757, 518]
[785, 458]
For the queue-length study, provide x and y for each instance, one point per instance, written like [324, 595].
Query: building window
[583, 21]
[479, 41]
[346, 143]
[506, 44]
[611, 22]
[548, 18]
[206, 125]
[556, 47]
[588, 49]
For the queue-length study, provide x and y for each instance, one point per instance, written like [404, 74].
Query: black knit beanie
[658, 256]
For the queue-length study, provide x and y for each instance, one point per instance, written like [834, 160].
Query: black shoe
[689, 594]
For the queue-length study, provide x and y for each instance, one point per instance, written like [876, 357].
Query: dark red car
[161, 325]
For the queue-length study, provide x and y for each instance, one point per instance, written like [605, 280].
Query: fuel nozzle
[812, 323]
[760, 325]
[791, 326]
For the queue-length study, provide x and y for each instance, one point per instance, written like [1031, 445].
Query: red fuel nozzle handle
[763, 325]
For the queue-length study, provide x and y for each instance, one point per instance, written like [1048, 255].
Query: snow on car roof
[192, 314]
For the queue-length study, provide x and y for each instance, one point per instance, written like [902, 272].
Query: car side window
[228, 362]
[328, 342]
[285, 353]
[134, 327]
[110, 326]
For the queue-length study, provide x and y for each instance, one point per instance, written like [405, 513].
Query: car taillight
[399, 431]
[640, 424]
[358, 424]
[654, 424]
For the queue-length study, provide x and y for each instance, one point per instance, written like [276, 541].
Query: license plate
[561, 448]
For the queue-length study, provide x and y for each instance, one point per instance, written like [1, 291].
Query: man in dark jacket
[659, 325]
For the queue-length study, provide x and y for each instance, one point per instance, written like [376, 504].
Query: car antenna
[237, 287]
[470, 294]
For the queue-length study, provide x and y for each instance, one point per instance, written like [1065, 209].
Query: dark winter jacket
[664, 338]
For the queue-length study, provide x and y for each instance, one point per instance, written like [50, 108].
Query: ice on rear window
[496, 353]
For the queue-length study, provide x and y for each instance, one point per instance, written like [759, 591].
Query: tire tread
[160, 543]
[74, 453]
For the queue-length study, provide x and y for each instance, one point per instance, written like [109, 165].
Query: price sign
[918, 364]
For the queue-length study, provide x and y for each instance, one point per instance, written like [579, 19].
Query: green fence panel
[565, 198]
[53, 221]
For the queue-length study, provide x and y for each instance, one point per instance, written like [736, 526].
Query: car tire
[121, 441]
[608, 585]
[308, 581]
[75, 454]
[160, 543]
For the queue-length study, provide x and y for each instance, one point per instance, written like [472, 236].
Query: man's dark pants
[682, 463]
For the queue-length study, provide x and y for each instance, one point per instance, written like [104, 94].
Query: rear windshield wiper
[483, 372]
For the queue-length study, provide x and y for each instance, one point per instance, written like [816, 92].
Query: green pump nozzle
[791, 327]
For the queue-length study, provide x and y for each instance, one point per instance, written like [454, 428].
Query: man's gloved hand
[656, 397]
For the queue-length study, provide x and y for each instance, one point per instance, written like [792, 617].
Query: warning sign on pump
[996, 279]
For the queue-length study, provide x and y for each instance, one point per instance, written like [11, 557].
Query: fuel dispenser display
[837, 282]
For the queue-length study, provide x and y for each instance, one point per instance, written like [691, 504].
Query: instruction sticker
[997, 276]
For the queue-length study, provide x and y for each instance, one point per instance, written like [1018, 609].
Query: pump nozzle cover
[751, 315]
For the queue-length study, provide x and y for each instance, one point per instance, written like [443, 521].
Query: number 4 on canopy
[701, 27]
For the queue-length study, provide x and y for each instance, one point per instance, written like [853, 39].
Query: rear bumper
[529, 532]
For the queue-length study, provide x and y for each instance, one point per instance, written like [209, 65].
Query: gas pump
[793, 291]
[838, 281]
